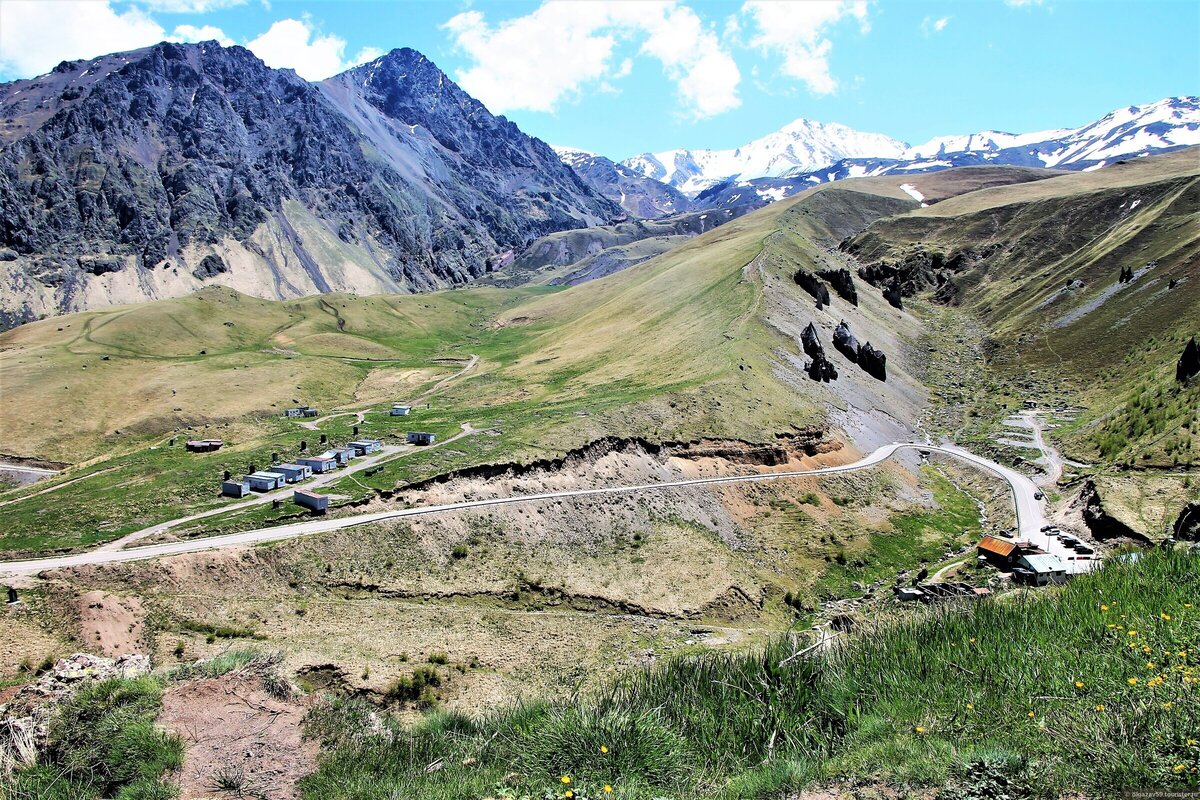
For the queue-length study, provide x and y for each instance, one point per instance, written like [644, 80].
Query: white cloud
[537, 61]
[296, 44]
[797, 32]
[35, 36]
[189, 6]
[931, 25]
[202, 33]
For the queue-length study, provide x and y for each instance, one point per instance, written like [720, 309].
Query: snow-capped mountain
[1173, 122]
[801, 146]
[1125, 133]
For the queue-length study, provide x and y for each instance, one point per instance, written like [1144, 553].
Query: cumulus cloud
[201, 33]
[931, 25]
[35, 36]
[797, 33]
[296, 44]
[565, 48]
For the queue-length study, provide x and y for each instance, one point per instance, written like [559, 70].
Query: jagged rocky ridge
[144, 174]
[640, 195]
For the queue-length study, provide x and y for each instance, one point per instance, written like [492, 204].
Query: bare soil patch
[232, 726]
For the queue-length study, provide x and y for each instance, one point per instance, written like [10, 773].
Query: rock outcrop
[1102, 525]
[842, 283]
[25, 719]
[810, 340]
[814, 286]
[821, 369]
[1187, 524]
[873, 361]
[845, 342]
[1189, 362]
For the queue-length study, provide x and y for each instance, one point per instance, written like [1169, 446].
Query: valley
[440, 463]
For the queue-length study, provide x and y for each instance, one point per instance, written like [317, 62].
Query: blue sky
[620, 78]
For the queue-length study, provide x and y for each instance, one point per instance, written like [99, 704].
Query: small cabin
[311, 500]
[421, 438]
[318, 464]
[264, 481]
[341, 454]
[1040, 569]
[203, 445]
[363, 447]
[293, 472]
[400, 410]
[235, 488]
[997, 551]
[301, 411]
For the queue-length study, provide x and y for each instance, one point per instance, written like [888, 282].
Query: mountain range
[149, 173]
[156, 172]
[806, 153]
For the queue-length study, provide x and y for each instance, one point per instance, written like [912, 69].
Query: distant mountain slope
[639, 195]
[151, 173]
[1128, 132]
[1088, 282]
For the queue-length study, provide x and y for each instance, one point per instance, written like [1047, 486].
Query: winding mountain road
[1030, 516]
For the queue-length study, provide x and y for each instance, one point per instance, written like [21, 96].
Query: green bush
[103, 743]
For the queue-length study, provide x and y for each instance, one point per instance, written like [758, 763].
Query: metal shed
[421, 438]
[311, 500]
[1041, 569]
[293, 472]
[400, 410]
[264, 481]
[319, 464]
[364, 446]
[235, 488]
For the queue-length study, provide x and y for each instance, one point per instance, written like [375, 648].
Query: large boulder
[811, 341]
[820, 369]
[873, 361]
[845, 342]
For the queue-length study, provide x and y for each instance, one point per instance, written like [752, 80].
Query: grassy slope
[657, 350]
[1079, 689]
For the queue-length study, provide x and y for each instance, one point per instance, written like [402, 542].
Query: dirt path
[471, 362]
[1026, 498]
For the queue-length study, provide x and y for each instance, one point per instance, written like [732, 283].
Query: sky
[621, 77]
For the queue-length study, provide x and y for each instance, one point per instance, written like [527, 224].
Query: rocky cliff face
[639, 195]
[148, 174]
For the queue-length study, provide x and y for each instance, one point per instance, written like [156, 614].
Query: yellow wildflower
[971, 640]
[1164, 616]
[1078, 684]
[1168, 705]
[566, 779]
[1178, 768]
[1103, 607]
[1100, 707]
[1133, 681]
[568, 793]
[919, 729]
[607, 789]
[603, 748]
[970, 706]
[1191, 742]
[1031, 715]
[1132, 633]
[1149, 665]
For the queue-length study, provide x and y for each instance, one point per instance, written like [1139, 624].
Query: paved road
[1030, 516]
